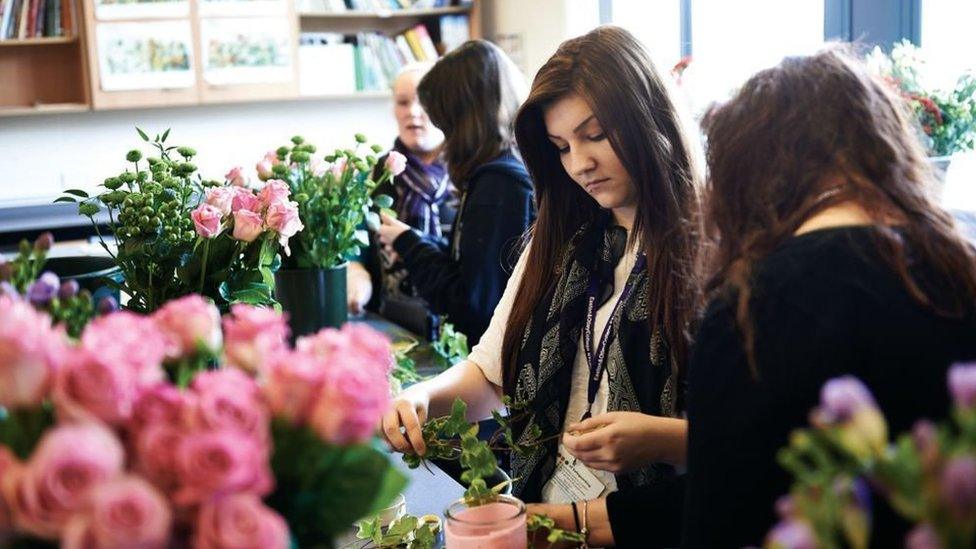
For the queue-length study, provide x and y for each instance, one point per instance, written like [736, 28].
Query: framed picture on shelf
[246, 50]
[145, 55]
[107, 10]
[242, 8]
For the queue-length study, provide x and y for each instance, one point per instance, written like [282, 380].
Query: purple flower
[959, 485]
[962, 385]
[848, 410]
[68, 289]
[44, 242]
[842, 397]
[791, 534]
[785, 507]
[922, 536]
[44, 289]
[107, 305]
[8, 289]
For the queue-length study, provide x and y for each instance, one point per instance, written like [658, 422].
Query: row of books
[20, 19]
[370, 5]
[331, 63]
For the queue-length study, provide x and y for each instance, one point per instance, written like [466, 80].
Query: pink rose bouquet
[178, 233]
[259, 453]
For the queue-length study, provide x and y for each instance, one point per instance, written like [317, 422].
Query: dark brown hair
[472, 95]
[610, 70]
[810, 133]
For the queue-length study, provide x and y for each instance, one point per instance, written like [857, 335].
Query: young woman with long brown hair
[592, 325]
[832, 258]
[472, 95]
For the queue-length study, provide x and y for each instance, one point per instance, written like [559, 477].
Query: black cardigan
[466, 281]
[824, 304]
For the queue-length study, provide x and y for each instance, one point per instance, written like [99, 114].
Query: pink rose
[219, 463]
[240, 521]
[10, 469]
[124, 512]
[162, 403]
[206, 219]
[90, 388]
[371, 346]
[395, 162]
[156, 447]
[221, 198]
[128, 339]
[230, 399]
[67, 464]
[264, 166]
[244, 199]
[252, 335]
[351, 403]
[236, 177]
[192, 325]
[275, 190]
[294, 381]
[247, 225]
[29, 353]
[282, 217]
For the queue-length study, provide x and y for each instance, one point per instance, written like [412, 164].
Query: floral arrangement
[947, 118]
[927, 476]
[333, 196]
[178, 234]
[98, 448]
[65, 301]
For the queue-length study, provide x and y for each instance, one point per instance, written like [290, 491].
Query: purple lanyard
[598, 362]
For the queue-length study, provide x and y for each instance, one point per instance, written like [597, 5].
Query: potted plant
[176, 233]
[333, 198]
[946, 117]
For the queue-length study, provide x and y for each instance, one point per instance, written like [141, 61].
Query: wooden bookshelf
[44, 74]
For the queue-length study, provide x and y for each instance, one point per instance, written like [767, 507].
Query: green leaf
[384, 201]
[165, 134]
[142, 134]
[368, 528]
[457, 422]
[77, 192]
[66, 199]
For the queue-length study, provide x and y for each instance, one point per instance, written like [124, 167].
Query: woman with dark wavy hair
[832, 258]
[591, 330]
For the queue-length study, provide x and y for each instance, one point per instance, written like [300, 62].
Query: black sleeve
[496, 214]
[647, 516]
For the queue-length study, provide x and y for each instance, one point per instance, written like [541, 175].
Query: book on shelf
[455, 30]
[22, 19]
[370, 6]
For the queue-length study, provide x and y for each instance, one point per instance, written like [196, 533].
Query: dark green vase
[313, 298]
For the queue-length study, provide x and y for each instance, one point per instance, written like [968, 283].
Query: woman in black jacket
[472, 95]
[832, 258]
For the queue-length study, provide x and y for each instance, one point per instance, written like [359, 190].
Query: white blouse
[487, 354]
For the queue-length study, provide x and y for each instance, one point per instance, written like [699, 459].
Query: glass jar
[496, 525]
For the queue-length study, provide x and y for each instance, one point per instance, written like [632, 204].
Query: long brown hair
[472, 95]
[808, 134]
[611, 71]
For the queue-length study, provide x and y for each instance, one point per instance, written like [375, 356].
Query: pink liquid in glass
[499, 525]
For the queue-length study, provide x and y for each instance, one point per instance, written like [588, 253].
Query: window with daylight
[948, 40]
[657, 24]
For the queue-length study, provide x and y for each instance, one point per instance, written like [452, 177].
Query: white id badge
[572, 480]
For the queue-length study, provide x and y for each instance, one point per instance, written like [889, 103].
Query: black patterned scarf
[639, 369]
[423, 189]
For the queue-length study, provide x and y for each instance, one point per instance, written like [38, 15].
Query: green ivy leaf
[457, 422]
[383, 201]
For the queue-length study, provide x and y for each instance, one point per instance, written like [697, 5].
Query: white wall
[43, 155]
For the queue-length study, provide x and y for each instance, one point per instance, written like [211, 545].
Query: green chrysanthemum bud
[282, 152]
[301, 198]
[330, 158]
[169, 182]
[298, 140]
[127, 177]
[377, 149]
[349, 153]
[133, 156]
[371, 159]
[279, 170]
[360, 138]
[88, 209]
[186, 152]
[307, 147]
[168, 195]
[211, 183]
[142, 177]
[112, 183]
[300, 157]
[185, 168]
[361, 166]
[152, 160]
